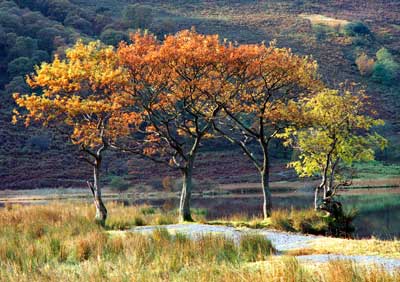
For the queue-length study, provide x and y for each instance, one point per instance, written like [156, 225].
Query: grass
[389, 248]
[60, 242]
[376, 169]
[317, 19]
[124, 217]
[304, 221]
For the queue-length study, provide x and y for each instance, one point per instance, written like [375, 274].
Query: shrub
[138, 16]
[91, 245]
[341, 225]
[20, 66]
[386, 69]
[365, 64]
[39, 142]
[119, 184]
[147, 210]
[321, 31]
[24, 47]
[280, 219]
[165, 219]
[17, 84]
[113, 37]
[255, 247]
[39, 56]
[139, 221]
[356, 28]
[313, 222]
[309, 221]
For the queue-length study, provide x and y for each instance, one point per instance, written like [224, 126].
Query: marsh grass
[59, 242]
[305, 221]
[388, 248]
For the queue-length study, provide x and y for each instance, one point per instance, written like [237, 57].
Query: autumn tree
[83, 97]
[340, 131]
[267, 80]
[176, 83]
[365, 64]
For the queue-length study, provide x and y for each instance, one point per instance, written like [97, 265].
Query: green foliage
[119, 184]
[356, 28]
[46, 37]
[322, 31]
[386, 69]
[10, 22]
[338, 132]
[113, 37]
[24, 47]
[79, 23]
[20, 66]
[40, 56]
[137, 16]
[17, 84]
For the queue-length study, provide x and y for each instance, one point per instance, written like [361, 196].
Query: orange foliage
[177, 83]
[86, 92]
[365, 64]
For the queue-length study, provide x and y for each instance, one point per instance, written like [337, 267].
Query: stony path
[282, 241]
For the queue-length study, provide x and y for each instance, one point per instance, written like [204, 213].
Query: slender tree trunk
[101, 211]
[184, 207]
[264, 171]
[316, 191]
[267, 202]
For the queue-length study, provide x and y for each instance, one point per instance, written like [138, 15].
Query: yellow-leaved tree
[339, 131]
[84, 97]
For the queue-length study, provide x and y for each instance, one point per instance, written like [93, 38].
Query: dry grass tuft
[60, 242]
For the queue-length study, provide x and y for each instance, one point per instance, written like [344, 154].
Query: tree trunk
[267, 203]
[101, 211]
[184, 207]
[316, 198]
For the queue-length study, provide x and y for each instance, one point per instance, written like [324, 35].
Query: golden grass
[60, 242]
[305, 221]
[324, 20]
[389, 248]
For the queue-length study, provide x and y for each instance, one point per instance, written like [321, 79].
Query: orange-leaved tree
[177, 83]
[82, 96]
[267, 81]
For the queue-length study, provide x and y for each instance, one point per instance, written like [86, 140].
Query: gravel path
[282, 241]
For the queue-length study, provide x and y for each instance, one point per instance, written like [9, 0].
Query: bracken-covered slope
[338, 34]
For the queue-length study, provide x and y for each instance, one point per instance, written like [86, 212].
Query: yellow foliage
[87, 91]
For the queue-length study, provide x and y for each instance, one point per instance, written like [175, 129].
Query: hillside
[351, 40]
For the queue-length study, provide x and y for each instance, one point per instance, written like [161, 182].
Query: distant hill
[354, 40]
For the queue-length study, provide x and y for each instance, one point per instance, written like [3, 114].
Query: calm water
[378, 215]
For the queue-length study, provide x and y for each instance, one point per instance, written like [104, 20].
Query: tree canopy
[84, 96]
[339, 130]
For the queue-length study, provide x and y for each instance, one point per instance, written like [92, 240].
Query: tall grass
[124, 217]
[59, 242]
[306, 221]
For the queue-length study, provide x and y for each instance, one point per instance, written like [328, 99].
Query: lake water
[378, 209]
[378, 214]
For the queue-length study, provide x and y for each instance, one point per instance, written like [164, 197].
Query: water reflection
[382, 222]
